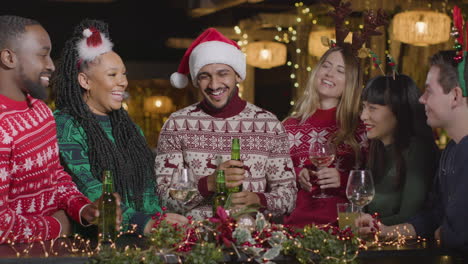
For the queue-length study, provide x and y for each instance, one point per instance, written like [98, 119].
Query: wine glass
[360, 188]
[182, 187]
[321, 154]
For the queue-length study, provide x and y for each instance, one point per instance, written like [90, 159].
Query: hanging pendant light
[158, 104]
[265, 54]
[421, 27]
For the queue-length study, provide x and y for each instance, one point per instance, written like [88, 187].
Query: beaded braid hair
[129, 158]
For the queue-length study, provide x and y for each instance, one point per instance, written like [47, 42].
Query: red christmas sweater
[33, 184]
[320, 127]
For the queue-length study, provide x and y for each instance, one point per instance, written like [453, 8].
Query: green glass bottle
[235, 155]
[220, 196]
[107, 210]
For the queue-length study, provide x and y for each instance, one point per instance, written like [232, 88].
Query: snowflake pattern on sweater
[33, 184]
[321, 127]
[191, 137]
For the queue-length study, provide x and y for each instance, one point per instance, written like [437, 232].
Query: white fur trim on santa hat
[179, 80]
[216, 52]
[87, 32]
[87, 53]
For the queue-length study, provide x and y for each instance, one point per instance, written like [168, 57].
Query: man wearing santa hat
[199, 136]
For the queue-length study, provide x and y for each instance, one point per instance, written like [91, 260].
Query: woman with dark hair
[403, 155]
[95, 133]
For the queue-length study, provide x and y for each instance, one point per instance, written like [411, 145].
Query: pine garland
[244, 237]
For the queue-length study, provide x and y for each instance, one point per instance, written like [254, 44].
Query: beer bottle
[235, 155]
[107, 210]
[220, 196]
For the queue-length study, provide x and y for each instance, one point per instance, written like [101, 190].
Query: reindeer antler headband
[372, 20]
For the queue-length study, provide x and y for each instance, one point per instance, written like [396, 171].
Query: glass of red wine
[321, 154]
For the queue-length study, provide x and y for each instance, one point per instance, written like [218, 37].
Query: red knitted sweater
[321, 126]
[33, 184]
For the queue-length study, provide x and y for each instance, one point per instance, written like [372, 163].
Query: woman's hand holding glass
[325, 178]
[322, 154]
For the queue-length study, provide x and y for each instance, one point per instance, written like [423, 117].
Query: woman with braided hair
[95, 133]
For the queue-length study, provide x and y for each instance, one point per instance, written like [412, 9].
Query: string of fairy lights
[78, 245]
[286, 35]
[289, 35]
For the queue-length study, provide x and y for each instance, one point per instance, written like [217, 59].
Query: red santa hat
[210, 47]
[92, 45]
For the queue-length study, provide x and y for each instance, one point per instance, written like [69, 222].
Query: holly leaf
[260, 222]
[242, 235]
[277, 239]
[254, 251]
[272, 253]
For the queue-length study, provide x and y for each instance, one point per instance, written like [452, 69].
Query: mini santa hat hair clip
[92, 45]
[209, 47]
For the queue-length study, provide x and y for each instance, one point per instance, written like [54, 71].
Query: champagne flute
[182, 187]
[360, 188]
[321, 154]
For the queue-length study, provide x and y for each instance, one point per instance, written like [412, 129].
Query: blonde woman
[328, 111]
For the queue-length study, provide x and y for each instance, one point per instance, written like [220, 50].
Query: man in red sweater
[36, 195]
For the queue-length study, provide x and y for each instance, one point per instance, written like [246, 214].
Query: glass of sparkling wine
[182, 186]
[360, 188]
[321, 154]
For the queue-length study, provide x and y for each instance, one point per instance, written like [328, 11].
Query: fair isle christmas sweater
[33, 184]
[193, 138]
[73, 146]
[321, 126]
